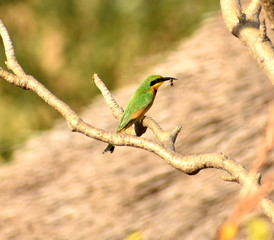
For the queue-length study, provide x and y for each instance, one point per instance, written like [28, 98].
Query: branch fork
[246, 25]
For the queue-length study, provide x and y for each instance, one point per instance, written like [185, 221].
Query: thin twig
[115, 108]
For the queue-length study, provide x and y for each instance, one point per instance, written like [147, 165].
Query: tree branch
[187, 164]
[115, 108]
[246, 26]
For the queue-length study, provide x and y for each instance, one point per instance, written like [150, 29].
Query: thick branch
[246, 26]
[188, 164]
[30, 83]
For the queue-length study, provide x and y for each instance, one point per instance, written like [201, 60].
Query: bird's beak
[167, 79]
[159, 81]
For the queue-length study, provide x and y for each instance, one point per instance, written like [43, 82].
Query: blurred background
[59, 185]
[62, 43]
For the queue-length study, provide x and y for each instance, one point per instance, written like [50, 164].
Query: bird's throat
[157, 85]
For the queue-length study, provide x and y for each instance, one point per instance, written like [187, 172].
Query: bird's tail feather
[109, 148]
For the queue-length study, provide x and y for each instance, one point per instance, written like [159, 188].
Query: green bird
[140, 103]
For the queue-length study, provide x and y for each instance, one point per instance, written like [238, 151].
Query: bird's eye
[152, 83]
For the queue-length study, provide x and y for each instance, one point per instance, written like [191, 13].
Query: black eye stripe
[161, 79]
[156, 81]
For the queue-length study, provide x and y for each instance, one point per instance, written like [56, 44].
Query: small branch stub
[263, 36]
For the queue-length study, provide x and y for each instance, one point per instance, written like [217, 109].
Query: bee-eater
[139, 103]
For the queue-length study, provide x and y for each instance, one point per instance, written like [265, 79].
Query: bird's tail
[109, 148]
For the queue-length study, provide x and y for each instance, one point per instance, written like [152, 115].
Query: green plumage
[141, 100]
[139, 104]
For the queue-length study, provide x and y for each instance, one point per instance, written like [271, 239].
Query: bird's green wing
[139, 102]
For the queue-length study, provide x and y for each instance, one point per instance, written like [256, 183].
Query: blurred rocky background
[58, 185]
[64, 42]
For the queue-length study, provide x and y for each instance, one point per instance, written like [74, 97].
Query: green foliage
[62, 43]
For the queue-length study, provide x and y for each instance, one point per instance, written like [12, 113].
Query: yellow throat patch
[157, 85]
